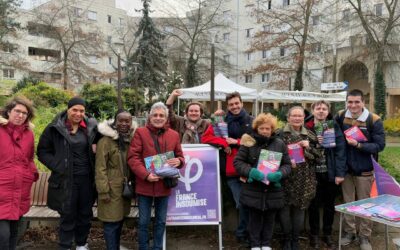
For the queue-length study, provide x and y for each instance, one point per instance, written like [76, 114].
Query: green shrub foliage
[101, 100]
[44, 95]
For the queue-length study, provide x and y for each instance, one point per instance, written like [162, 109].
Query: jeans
[325, 198]
[8, 234]
[112, 234]
[236, 186]
[261, 226]
[76, 223]
[292, 221]
[160, 207]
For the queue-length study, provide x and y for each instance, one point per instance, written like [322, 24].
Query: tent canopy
[300, 96]
[222, 87]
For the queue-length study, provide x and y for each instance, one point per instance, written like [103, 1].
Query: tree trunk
[380, 86]
[191, 74]
[65, 72]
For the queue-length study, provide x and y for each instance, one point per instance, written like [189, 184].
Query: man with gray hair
[153, 139]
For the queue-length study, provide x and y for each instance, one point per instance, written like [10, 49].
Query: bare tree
[190, 36]
[288, 28]
[73, 34]
[379, 22]
[7, 24]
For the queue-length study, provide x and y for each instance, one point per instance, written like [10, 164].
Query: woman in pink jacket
[17, 168]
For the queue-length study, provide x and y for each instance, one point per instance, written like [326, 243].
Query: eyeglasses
[20, 112]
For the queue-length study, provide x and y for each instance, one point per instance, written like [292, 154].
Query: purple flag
[385, 183]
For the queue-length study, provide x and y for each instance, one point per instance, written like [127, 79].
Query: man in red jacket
[153, 139]
[239, 122]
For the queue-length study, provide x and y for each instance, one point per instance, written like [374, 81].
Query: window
[8, 48]
[266, 54]
[109, 18]
[346, 15]
[226, 15]
[109, 60]
[93, 59]
[248, 78]
[265, 77]
[316, 48]
[121, 21]
[270, 4]
[226, 58]
[286, 3]
[378, 9]
[109, 39]
[282, 51]
[92, 15]
[8, 73]
[249, 56]
[315, 20]
[249, 32]
[226, 37]
[77, 12]
[267, 28]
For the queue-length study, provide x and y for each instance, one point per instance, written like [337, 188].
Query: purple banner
[196, 199]
[385, 183]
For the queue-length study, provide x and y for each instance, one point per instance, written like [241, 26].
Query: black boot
[314, 241]
[330, 243]
[287, 244]
[295, 244]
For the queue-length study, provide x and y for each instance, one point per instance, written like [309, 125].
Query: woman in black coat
[263, 200]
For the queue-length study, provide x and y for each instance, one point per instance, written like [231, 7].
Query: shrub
[44, 95]
[392, 125]
[101, 100]
[24, 83]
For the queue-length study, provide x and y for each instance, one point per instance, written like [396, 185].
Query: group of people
[90, 161]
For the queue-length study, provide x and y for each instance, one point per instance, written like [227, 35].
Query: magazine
[158, 165]
[268, 162]
[327, 130]
[385, 213]
[220, 127]
[296, 152]
[356, 134]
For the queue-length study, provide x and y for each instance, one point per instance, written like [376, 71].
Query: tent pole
[178, 106]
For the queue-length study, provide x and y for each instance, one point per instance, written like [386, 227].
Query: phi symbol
[187, 179]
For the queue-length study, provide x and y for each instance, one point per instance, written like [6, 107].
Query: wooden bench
[40, 211]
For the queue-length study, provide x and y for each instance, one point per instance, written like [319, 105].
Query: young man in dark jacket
[360, 174]
[239, 122]
[67, 147]
[329, 175]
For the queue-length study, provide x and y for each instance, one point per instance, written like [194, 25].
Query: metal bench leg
[340, 231]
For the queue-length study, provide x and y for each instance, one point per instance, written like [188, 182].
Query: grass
[390, 161]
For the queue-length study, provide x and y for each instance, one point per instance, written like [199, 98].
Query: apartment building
[262, 38]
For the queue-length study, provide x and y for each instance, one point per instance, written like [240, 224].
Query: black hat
[76, 101]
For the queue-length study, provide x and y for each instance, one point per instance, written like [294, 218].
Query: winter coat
[180, 124]
[300, 186]
[143, 146]
[257, 194]
[17, 169]
[335, 157]
[109, 175]
[359, 160]
[210, 138]
[54, 151]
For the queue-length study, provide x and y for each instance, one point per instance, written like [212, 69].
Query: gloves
[255, 174]
[250, 180]
[275, 177]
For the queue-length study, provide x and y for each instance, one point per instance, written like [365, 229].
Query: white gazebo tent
[222, 87]
[299, 96]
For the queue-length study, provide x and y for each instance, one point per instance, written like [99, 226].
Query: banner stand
[197, 199]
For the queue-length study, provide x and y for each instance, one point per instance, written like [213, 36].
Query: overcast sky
[159, 6]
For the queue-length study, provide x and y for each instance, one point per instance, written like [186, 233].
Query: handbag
[128, 187]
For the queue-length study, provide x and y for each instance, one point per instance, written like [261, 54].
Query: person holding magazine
[153, 142]
[330, 173]
[190, 127]
[365, 138]
[111, 173]
[301, 184]
[263, 160]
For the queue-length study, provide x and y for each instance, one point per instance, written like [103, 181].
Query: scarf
[235, 123]
[191, 133]
[262, 140]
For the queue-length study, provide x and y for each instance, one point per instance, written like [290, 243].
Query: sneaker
[85, 247]
[364, 243]
[314, 241]
[243, 241]
[266, 248]
[347, 239]
[256, 248]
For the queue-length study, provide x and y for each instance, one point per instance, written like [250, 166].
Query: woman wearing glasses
[17, 168]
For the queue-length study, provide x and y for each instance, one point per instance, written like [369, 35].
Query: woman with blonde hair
[263, 200]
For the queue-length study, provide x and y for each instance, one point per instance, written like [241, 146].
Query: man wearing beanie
[66, 147]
